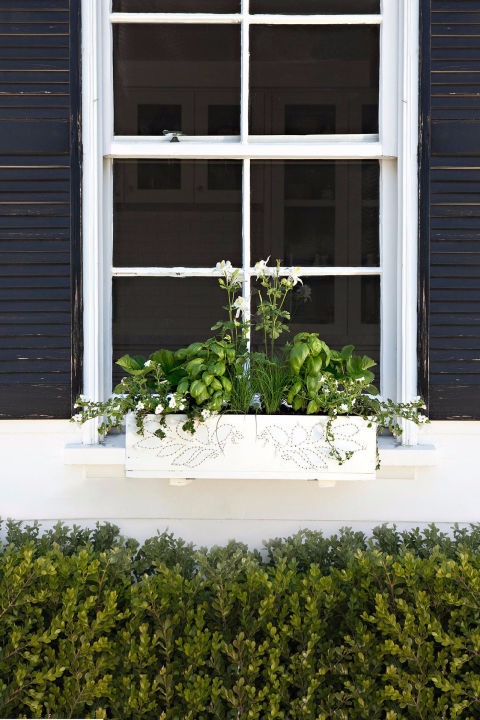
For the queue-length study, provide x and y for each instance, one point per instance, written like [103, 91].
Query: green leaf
[164, 358]
[298, 355]
[198, 388]
[133, 365]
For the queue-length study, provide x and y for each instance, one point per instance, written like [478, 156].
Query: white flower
[172, 402]
[159, 410]
[140, 406]
[294, 275]
[422, 419]
[205, 414]
[240, 305]
[224, 267]
[78, 417]
[261, 268]
[343, 407]
[361, 379]
[181, 406]
[148, 363]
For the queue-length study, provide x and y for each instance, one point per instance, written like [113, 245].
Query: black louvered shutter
[39, 199]
[450, 208]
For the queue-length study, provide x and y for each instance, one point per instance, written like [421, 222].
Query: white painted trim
[184, 272]
[389, 280]
[246, 244]
[92, 208]
[229, 18]
[132, 148]
[408, 213]
[245, 71]
[175, 18]
[388, 109]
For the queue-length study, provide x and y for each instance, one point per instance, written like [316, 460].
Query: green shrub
[314, 628]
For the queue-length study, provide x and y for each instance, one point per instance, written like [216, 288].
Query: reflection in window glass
[177, 212]
[153, 313]
[183, 6]
[336, 7]
[316, 213]
[293, 67]
[182, 78]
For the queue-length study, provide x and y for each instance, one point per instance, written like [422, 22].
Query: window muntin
[178, 6]
[330, 281]
[299, 7]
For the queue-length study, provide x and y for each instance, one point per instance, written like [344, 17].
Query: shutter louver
[36, 112]
[454, 210]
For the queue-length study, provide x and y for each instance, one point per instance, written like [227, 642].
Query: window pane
[316, 213]
[177, 212]
[196, 6]
[330, 7]
[153, 313]
[314, 80]
[342, 310]
[183, 78]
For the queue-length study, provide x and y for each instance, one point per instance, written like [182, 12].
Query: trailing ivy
[311, 628]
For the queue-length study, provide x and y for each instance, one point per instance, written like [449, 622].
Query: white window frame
[395, 148]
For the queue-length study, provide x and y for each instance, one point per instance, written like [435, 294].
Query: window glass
[301, 7]
[183, 6]
[177, 212]
[316, 213]
[181, 78]
[342, 310]
[153, 313]
[313, 79]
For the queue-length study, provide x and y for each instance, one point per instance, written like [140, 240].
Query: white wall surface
[36, 484]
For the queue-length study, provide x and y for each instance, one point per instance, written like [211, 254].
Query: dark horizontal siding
[38, 107]
[454, 210]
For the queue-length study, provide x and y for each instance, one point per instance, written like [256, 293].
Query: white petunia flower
[172, 402]
[343, 407]
[261, 268]
[159, 409]
[205, 414]
[148, 363]
[78, 417]
[240, 305]
[140, 406]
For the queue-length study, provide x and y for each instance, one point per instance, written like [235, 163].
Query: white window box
[249, 446]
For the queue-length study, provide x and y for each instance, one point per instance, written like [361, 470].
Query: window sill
[112, 452]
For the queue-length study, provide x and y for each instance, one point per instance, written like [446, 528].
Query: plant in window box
[214, 409]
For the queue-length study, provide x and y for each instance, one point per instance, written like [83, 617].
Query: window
[220, 129]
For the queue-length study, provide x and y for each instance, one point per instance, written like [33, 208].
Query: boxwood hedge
[311, 628]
